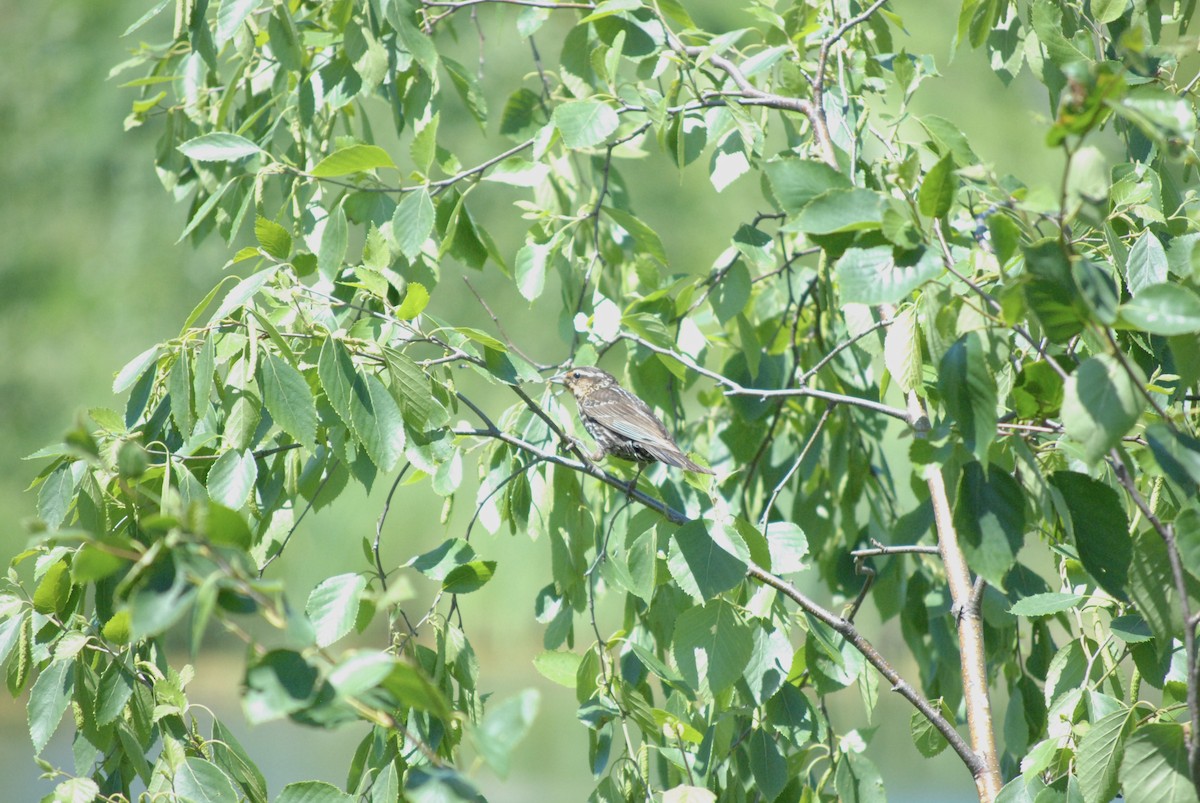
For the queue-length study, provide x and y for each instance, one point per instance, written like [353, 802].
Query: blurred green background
[91, 275]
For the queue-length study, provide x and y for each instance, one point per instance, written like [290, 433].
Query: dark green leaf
[1101, 404]
[1099, 528]
[969, 393]
[1155, 766]
[989, 514]
[702, 567]
[711, 646]
[469, 577]
[278, 684]
[938, 188]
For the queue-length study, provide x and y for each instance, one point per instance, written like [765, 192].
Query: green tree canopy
[923, 386]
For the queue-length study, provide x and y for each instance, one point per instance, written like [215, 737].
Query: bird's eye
[575, 374]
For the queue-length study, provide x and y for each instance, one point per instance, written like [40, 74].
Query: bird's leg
[633, 483]
[581, 450]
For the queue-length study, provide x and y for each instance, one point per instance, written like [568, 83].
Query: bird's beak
[559, 379]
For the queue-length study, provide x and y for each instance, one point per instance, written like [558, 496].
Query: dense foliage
[923, 386]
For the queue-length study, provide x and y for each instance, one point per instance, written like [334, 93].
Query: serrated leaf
[1101, 403]
[352, 159]
[272, 238]
[1100, 529]
[288, 398]
[413, 222]
[332, 606]
[218, 147]
[872, 275]
[48, 701]
[1164, 309]
[902, 350]
[585, 123]
[232, 477]
[1099, 755]
[1045, 604]
[969, 393]
[711, 646]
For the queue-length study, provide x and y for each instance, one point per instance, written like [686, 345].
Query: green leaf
[230, 17]
[225, 526]
[1177, 453]
[273, 238]
[352, 159]
[767, 764]
[115, 690]
[54, 497]
[1164, 309]
[928, 740]
[54, 589]
[1045, 604]
[363, 403]
[335, 239]
[788, 545]
[93, 562]
[1099, 755]
[1099, 528]
[413, 222]
[558, 666]
[585, 123]
[313, 792]
[711, 646]
[702, 567]
[857, 780]
[989, 514]
[76, 790]
[200, 781]
[938, 189]
[1101, 404]
[48, 701]
[332, 606]
[218, 147]
[134, 369]
[503, 727]
[969, 393]
[416, 299]
[468, 89]
[232, 478]
[646, 239]
[1155, 766]
[278, 684]
[530, 269]
[902, 350]
[438, 562]
[469, 577]
[288, 398]
[796, 182]
[840, 210]
[242, 292]
[873, 276]
[1146, 265]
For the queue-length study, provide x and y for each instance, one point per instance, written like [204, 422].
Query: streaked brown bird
[622, 424]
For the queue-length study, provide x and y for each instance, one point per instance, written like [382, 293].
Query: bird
[622, 425]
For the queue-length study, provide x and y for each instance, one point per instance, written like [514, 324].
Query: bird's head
[582, 380]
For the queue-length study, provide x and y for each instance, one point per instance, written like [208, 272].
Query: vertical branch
[970, 624]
